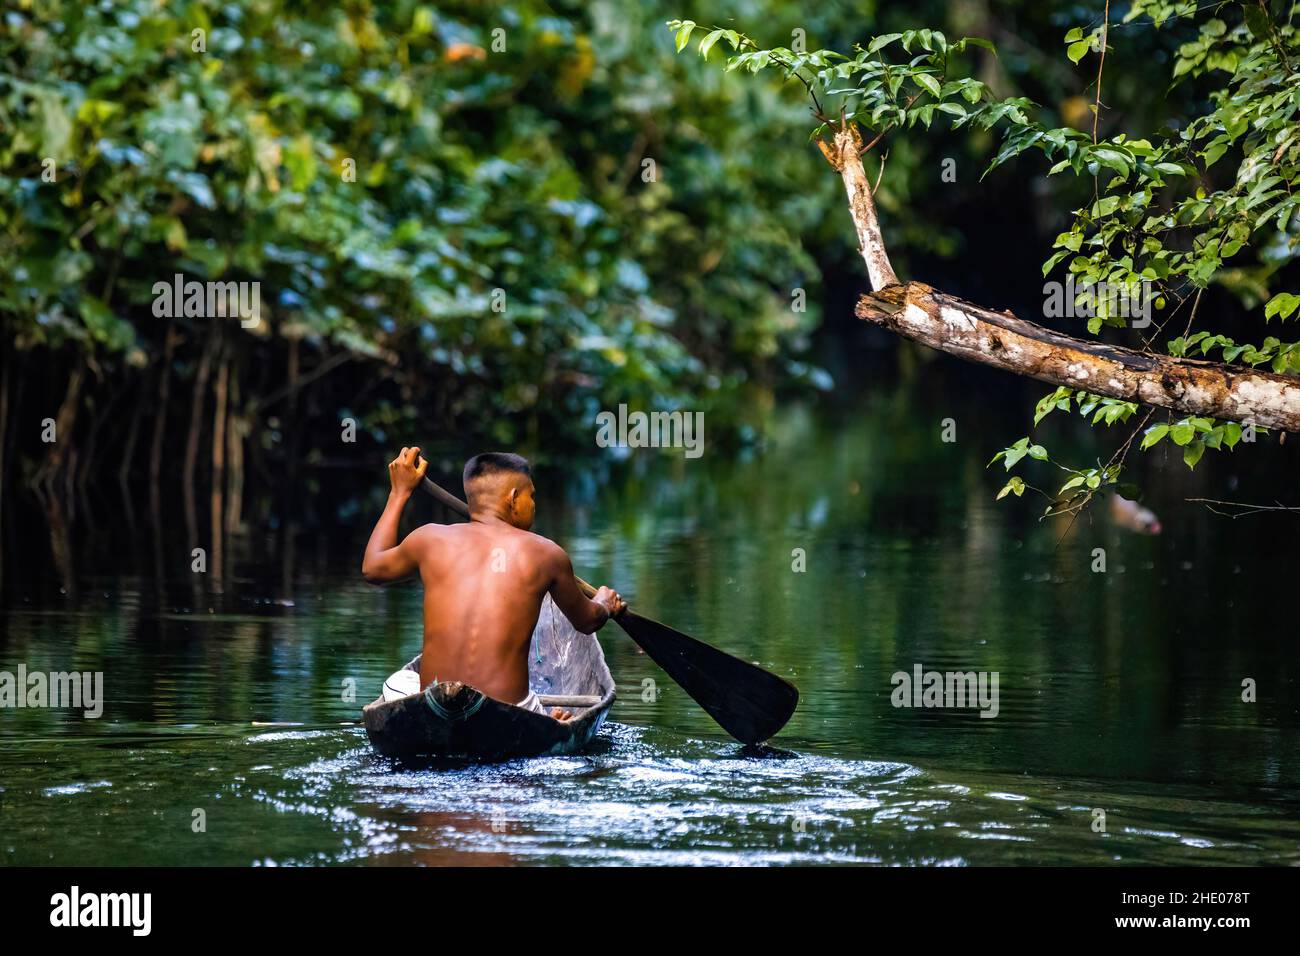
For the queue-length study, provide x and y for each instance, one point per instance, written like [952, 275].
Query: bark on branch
[923, 314]
[1189, 387]
[844, 153]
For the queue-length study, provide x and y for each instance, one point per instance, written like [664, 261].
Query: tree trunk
[6, 366]
[160, 416]
[218, 486]
[235, 432]
[128, 450]
[13, 403]
[289, 482]
[52, 468]
[923, 314]
[292, 432]
[88, 456]
[90, 448]
[5, 374]
[61, 550]
[192, 439]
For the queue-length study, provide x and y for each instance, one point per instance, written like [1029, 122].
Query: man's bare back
[483, 581]
[483, 589]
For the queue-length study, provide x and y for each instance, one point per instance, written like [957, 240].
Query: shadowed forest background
[574, 218]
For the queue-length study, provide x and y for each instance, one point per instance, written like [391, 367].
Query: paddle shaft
[458, 506]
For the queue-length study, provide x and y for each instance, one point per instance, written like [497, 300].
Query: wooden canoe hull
[451, 720]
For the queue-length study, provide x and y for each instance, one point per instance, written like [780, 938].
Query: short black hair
[492, 462]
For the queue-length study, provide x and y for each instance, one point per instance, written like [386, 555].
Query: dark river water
[1120, 692]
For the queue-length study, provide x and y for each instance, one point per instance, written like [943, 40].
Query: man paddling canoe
[484, 581]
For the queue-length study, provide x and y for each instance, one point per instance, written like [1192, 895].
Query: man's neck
[494, 517]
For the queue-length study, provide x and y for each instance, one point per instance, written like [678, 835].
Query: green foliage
[1155, 219]
[1101, 408]
[873, 88]
[1171, 208]
[1079, 44]
[1280, 357]
[482, 176]
[1195, 434]
[1011, 456]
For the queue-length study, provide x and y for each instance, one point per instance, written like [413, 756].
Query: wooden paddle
[748, 702]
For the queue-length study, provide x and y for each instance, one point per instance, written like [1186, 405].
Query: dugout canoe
[457, 721]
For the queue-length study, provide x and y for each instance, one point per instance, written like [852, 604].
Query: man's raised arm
[385, 560]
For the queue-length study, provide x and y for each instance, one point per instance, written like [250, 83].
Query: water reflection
[1119, 691]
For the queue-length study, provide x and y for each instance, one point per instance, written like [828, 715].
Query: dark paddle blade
[748, 702]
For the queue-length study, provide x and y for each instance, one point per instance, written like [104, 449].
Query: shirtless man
[483, 581]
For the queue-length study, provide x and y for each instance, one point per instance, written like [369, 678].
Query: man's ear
[514, 493]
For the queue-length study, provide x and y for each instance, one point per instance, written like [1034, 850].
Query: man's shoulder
[426, 533]
[529, 539]
[544, 547]
[538, 545]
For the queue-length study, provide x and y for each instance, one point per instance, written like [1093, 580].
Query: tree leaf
[1078, 50]
[684, 34]
[927, 81]
[707, 43]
